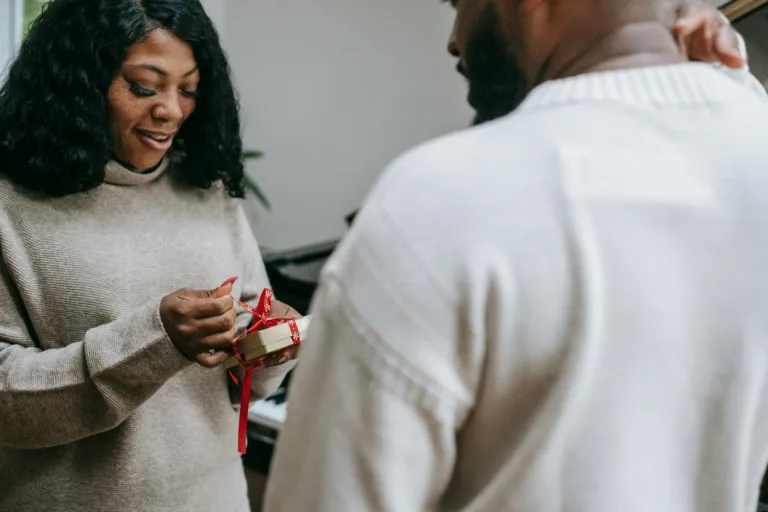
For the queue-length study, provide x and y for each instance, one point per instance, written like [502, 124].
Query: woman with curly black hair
[119, 168]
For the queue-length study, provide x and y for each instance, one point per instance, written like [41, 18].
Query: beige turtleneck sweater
[98, 410]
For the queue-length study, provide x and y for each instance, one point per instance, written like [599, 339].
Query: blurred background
[332, 91]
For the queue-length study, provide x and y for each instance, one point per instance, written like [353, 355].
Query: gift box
[268, 341]
[265, 335]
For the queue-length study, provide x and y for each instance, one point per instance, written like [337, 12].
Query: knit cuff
[135, 346]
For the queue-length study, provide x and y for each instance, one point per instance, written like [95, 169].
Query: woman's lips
[156, 140]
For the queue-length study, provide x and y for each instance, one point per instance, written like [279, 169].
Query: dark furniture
[293, 275]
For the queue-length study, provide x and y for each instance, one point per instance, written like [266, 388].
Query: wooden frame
[739, 8]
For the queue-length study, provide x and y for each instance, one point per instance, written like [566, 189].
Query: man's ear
[520, 7]
[529, 22]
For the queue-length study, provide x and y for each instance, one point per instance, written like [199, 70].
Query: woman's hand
[705, 35]
[201, 323]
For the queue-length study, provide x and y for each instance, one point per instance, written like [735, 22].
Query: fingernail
[231, 280]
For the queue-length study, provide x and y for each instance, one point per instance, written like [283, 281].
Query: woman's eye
[189, 94]
[141, 92]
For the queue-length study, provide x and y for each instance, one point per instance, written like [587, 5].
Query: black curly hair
[54, 125]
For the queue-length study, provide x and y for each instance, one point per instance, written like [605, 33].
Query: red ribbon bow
[259, 322]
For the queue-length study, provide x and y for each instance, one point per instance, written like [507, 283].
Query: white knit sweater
[564, 310]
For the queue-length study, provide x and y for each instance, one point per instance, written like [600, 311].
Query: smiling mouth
[156, 136]
[156, 140]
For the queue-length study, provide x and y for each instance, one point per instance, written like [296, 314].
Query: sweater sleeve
[59, 396]
[374, 412]
[254, 280]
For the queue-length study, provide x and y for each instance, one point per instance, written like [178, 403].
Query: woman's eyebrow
[159, 71]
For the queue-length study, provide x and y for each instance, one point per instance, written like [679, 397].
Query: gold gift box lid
[270, 340]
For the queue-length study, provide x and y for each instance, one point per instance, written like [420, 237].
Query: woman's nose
[169, 110]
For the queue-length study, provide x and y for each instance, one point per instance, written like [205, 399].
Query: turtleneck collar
[118, 174]
[675, 85]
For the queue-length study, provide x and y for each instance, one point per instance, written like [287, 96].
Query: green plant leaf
[250, 184]
[256, 191]
[252, 155]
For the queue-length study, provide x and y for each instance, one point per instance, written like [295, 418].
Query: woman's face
[153, 94]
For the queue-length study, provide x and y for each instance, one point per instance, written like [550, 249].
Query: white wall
[217, 11]
[332, 91]
[10, 31]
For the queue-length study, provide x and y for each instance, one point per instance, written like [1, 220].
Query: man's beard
[496, 83]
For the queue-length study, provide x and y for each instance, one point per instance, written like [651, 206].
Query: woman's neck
[133, 169]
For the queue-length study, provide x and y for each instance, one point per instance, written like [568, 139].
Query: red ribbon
[259, 322]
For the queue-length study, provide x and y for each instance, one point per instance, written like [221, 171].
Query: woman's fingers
[726, 48]
[217, 324]
[219, 341]
[705, 35]
[211, 359]
[283, 310]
